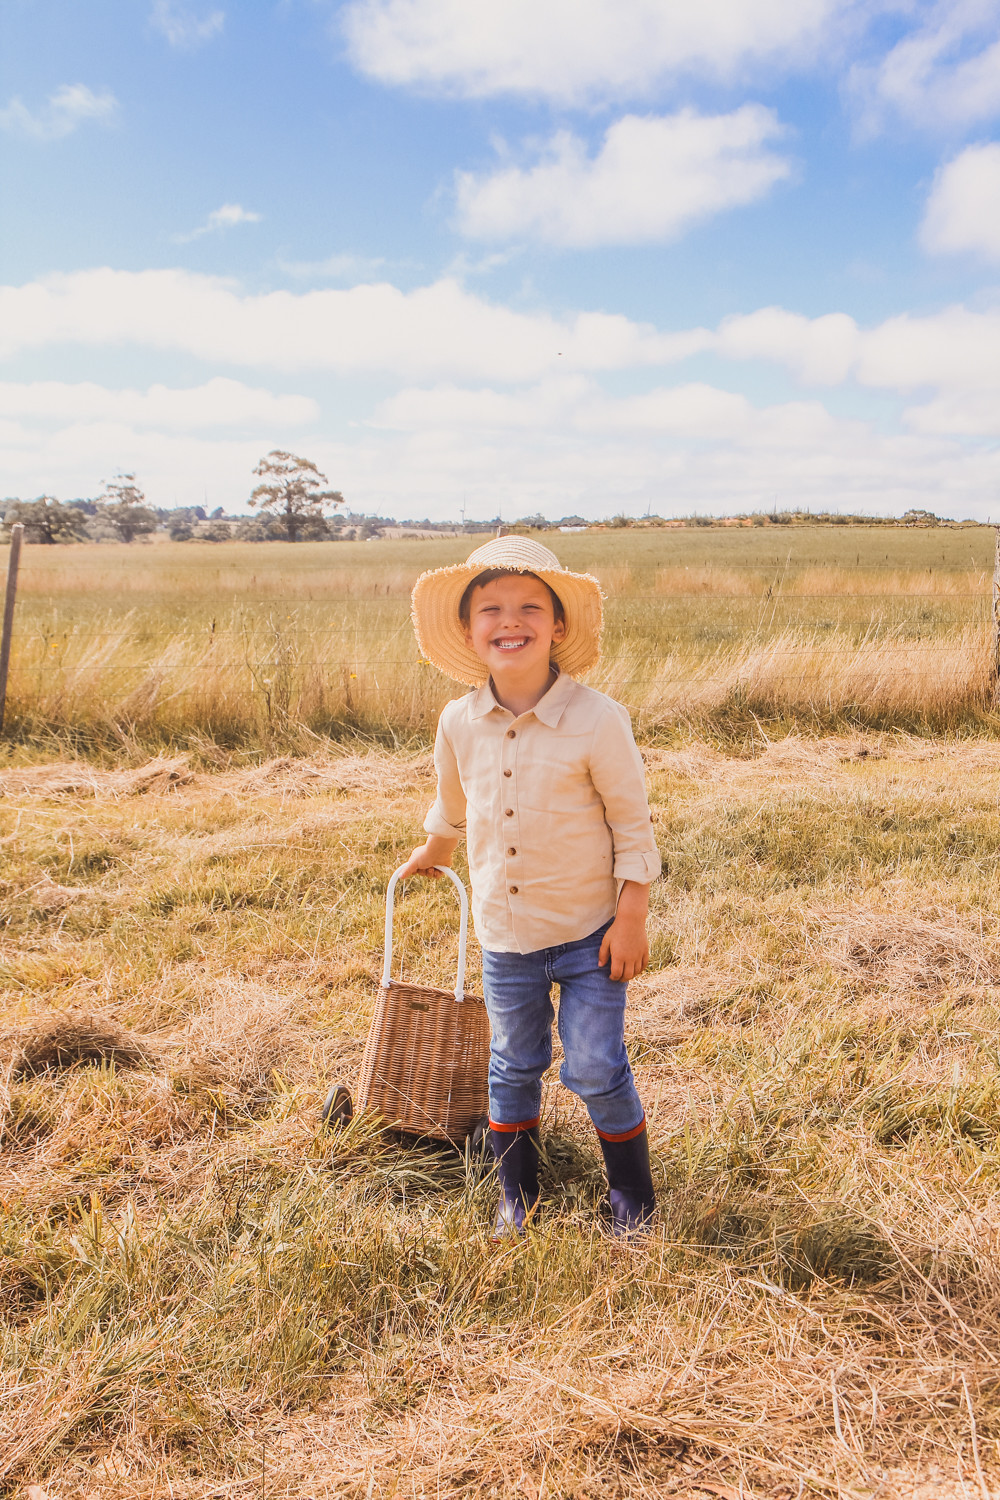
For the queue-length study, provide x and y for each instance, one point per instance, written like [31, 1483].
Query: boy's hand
[436, 851]
[625, 944]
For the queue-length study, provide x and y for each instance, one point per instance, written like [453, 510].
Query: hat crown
[518, 553]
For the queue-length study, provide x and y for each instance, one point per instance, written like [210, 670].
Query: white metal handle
[463, 927]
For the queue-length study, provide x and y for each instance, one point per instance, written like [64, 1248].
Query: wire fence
[221, 654]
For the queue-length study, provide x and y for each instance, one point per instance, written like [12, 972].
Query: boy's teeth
[509, 645]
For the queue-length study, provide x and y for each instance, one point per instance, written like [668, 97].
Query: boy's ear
[559, 631]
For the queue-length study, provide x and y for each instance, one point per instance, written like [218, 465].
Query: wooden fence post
[996, 612]
[16, 533]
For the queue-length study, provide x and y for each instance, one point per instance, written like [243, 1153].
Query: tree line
[291, 504]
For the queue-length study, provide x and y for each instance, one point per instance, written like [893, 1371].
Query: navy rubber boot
[633, 1199]
[516, 1152]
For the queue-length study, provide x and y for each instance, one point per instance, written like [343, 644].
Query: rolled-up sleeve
[619, 776]
[447, 816]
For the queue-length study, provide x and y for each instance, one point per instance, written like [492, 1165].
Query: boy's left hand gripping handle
[463, 927]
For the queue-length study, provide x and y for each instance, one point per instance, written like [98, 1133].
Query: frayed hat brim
[438, 594]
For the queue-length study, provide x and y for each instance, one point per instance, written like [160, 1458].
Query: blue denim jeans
[517, 988]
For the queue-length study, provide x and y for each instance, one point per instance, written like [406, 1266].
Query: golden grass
[129, 649]
[205, 1297]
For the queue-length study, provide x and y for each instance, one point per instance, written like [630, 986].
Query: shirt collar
[548, 710]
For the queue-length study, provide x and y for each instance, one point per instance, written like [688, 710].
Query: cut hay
[662, 1005]
[901, 951]
[78, 779]
[58, 1043]
[203, 1293]
[282, 776]
[48, 898]
[246, 1042]
[373, 771]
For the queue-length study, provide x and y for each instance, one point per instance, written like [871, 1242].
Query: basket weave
[425, 1061]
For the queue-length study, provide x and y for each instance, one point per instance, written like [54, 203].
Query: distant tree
[251, 531]
[46, 520]
[215, 531]
[292, 488]
[123, 504]
[180, 531]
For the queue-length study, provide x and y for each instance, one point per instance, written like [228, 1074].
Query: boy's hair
[490, 576]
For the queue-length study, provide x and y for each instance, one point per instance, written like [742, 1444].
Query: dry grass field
[126, 650]
[216, 757]
[204, 1297]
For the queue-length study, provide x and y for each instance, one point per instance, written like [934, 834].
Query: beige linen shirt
[553, 807]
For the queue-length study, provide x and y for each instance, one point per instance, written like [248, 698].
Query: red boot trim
[521, 1125]
[629, 1135]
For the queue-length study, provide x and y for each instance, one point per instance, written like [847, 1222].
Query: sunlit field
[240, 646]
[205, 1296]
[217, 756]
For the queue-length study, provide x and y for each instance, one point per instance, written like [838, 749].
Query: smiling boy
[542, 777]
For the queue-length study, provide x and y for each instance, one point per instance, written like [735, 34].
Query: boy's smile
[512, 628]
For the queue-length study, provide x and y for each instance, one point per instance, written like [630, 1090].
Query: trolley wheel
[477, 1148]
[338, 1108]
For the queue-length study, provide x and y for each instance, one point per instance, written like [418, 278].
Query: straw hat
[437, 595]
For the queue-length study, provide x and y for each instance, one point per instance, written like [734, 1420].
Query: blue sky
[559, 255]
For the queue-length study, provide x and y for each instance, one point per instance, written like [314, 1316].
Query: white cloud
[946, 73]
[445, 332]
[181, 27]
[961, 413]
[433, 331]
[819, 351]
[954, 349]
[562, 444]
[651, 179]
[226, 217]
[571, 50]
[217, 403]
[963, 209]
[62, 113]
[173, 469]
[568, 445]
[693, 413]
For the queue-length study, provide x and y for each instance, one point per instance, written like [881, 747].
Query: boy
[543, 778]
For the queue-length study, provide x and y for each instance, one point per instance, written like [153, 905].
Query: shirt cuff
[436, 822]
[642, 866]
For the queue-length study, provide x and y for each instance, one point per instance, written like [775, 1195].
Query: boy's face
[512, 625]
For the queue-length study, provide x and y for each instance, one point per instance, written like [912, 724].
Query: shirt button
[513, 890]
[512, 734]
[511, 851]
[508, 812]
[506, 773]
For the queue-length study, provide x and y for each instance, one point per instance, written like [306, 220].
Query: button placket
[508, 803]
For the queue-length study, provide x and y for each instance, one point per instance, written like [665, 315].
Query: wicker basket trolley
[425, 1061]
